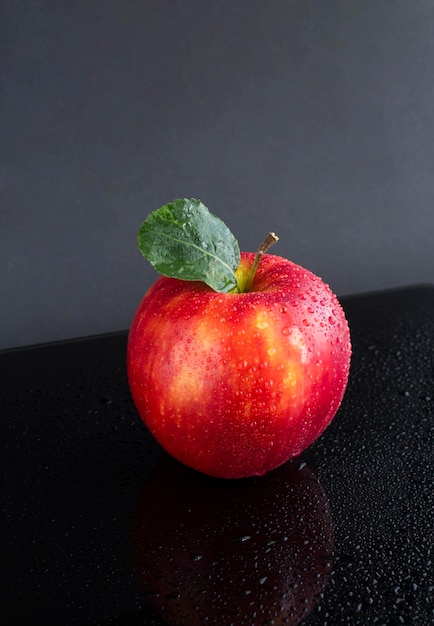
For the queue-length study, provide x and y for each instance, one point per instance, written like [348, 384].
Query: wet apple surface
[235, 384]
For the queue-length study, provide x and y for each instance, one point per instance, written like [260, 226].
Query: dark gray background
[313, 119]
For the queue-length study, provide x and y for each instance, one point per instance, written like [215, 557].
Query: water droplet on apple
[262, 324]
[286, 330]
[331, 320]
[283, 309]
[271, 351]
[306, 322]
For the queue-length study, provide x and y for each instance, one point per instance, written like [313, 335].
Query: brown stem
[269, 240]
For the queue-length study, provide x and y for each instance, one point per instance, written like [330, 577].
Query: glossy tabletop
[101, 527]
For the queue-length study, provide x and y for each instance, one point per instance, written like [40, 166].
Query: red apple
[235, 384]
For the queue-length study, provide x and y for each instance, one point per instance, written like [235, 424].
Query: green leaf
[184, 240]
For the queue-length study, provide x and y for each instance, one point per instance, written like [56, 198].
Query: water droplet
[306, 322]
[286, 330]
[262, 325]
[243, 538]
[283, 309]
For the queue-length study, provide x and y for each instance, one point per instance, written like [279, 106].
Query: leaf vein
[193, 245]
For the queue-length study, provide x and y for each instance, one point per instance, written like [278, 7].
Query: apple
[253, 551]
[234, 383]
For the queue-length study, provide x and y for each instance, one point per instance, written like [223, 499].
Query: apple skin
[234, 385]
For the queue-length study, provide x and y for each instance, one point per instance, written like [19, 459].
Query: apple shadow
[247, 551]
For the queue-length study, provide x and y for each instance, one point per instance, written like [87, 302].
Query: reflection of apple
[208, 551]
[235, 384]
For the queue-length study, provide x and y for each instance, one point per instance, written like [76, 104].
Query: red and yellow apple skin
[236, 384]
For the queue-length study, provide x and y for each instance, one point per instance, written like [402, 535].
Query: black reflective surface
[101, 527]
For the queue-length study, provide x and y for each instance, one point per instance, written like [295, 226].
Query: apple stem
[269, 240]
